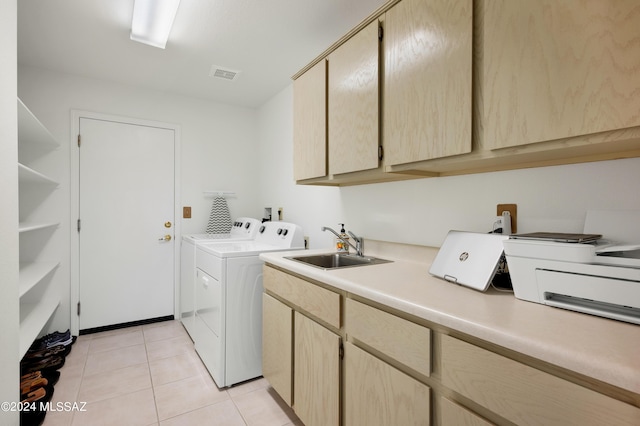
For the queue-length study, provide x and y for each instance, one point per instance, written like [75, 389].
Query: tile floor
[151, 375]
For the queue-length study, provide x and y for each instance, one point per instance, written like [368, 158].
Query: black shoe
[60, 350]
[51, 339]
[52, 363]
[34, 400]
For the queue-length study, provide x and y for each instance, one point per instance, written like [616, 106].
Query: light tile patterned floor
[151, 375]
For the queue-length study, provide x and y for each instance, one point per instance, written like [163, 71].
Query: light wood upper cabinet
[310, 123]
[556, 70]
[427, 80]
[353, 103]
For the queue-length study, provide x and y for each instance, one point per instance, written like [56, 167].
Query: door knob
[167, 224]
[165, 238]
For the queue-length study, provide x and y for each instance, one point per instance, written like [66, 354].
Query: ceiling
[266, 41]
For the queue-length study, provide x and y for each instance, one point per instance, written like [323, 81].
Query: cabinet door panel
[353, 103]
[454, 414]
[427, 86]
[277, 350]
[555, 69]
[378, 394]
[316, 373]
[310, 123]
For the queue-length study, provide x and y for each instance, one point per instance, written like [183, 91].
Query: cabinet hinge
[78, 308]
[78, 225]
[341, 351]
[380, 33]
[380, 152]
[79, 140]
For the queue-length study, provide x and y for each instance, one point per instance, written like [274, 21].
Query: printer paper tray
[603, 296]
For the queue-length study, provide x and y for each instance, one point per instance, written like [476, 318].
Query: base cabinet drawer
[319, 302]
[378, 394]
[523, 394]
[402, 340]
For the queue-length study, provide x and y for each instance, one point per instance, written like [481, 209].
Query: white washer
[243, 228]
[228, 319]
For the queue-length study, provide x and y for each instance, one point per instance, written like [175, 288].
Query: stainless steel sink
[337, 260]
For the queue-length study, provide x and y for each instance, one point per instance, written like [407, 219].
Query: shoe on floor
[51, 363]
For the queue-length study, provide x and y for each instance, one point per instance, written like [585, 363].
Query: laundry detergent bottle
[342, 246]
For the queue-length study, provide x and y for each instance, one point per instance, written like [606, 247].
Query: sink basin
[337, 260]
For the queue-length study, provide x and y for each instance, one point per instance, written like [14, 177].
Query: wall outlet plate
[186, 212]
[513, 211]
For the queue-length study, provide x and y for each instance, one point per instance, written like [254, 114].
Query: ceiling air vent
[223, 73]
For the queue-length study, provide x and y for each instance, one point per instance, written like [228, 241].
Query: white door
[126, 210]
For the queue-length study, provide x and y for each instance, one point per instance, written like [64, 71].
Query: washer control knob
[285, 232]
[261, 230]
[279, 231]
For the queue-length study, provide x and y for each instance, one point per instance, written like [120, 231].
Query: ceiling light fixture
[152, 21]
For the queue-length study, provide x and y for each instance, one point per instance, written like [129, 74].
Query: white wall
[218, 145]
[422, 211]
[9, 307]
[250, 152]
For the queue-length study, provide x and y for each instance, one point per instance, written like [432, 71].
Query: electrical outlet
[513, 211]
[186, 212]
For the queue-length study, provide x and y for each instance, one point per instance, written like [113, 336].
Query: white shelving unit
[38, 303]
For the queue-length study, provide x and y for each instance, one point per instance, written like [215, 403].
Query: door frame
[74, 185]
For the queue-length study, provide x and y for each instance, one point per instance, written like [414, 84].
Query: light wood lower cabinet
[316, 373]
[301, 357]
[397, 371]
[523, 394]
[378, 394]
[277, 346]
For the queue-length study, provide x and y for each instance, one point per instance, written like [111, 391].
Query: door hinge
[341, 351]
[380, 152]
[79, 140]
[78, 308]
[78, 225]
[380, 33]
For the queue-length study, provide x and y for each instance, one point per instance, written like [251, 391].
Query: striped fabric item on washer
[219, 219]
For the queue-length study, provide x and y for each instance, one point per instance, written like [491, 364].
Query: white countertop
[601, 348]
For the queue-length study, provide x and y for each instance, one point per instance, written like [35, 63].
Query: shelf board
[28, 175]
[29, 226]
[31, 131]
[33, 317]
[31, 273]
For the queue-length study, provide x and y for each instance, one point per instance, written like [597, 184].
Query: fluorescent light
[152, 21]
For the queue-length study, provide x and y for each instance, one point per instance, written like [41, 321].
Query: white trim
[74, 189]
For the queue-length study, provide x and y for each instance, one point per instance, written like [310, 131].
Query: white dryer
[228, 319]
[243, 228]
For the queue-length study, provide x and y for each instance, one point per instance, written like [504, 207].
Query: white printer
[601, 277]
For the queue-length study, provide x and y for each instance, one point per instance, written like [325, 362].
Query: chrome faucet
[359, 247]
